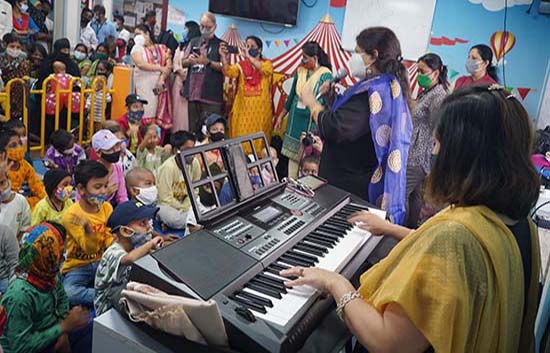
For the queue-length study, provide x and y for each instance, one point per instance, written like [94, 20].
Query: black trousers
[198, 112]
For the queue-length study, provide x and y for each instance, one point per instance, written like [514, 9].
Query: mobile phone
[196, 50]
[232, 49]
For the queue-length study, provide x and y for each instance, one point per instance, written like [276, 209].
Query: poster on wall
[134, 11]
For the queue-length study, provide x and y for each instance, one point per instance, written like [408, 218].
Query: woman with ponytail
[432, 78]
[480, 67]
[315, 70]
[367, 130]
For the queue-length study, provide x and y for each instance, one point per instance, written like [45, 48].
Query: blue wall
[525, 63]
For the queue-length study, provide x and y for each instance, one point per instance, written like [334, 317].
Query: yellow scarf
[304, 81]
[459, 278]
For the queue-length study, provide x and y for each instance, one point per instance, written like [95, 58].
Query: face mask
[357, 66]
[206, 32]
[78, 55]
[124, 145]
[472, 66]
[139, 40]
[14, 53]
[189, 160]
[253, 52]
[69, 151]
[309, 65]
[111, 157]
[184, 36]
[16, 154]
[5, 195]
[101, 56]
[24, 8]
[153, 22]
[217, 136]
[256, 180]
[63, 194]
[147, 196]
[135, 117]
[97, 200]
[138, 239]
[424, 81]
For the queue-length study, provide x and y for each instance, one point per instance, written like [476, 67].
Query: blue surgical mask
[472, 66]
[253, 52]
[184, 36]
[98, 200]
[135, 117]
[138, 239]
[24, 8]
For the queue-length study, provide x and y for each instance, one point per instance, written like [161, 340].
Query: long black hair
[314, 49]
[146, 29]
[193, 31]
[258, 42]
[434, 62]
[382, 43]
[486, 54]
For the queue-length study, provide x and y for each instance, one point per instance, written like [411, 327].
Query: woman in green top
[36, 307]
[315, 70]
[80, 56]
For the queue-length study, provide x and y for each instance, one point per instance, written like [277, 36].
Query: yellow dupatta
[459, 278]
[303, 81]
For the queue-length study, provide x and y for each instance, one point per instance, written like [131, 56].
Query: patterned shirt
[64, 162]
[422, 142]
[110, 279]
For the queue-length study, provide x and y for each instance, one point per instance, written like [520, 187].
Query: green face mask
[101, 56]
[424, 81]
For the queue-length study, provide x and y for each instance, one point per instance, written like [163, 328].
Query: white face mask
[14, 53]
[147, 196]
[78, 55]
[357, 66]
[139, 40]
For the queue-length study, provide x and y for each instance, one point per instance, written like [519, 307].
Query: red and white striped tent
[232, 37]
[413, 77]
[286, 64]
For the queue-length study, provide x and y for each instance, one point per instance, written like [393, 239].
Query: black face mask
[111, 157]
[217, 136]
[189, 160]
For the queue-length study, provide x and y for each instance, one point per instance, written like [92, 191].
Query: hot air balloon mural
[502, 43]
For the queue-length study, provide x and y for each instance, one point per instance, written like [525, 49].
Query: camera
[308, 140]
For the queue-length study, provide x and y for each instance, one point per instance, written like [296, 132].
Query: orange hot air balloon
[502, 43]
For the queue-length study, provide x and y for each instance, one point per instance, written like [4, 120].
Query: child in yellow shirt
[87, 233]
[52, 208]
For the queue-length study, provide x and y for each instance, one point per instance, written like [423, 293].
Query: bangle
[346, 298]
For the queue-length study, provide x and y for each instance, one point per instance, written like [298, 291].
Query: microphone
[340, 75]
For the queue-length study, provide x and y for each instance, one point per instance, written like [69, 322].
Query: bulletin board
[134, 11]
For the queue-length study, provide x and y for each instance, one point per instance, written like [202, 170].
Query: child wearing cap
[130, 225]
[127, 158]
[64, 153]
[87, 233]
[149, 154]
[55, 205]
[132, 120]
[173, 194]
[107, 147]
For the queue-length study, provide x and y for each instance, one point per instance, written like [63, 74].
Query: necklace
[57, 209]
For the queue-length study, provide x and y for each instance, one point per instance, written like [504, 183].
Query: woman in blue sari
[367, 130]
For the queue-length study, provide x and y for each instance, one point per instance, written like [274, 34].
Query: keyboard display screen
[267, 214]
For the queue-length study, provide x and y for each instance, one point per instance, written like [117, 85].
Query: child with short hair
[141, 186]
[309, 166]
[21, 174]
[87, 233]
[108, 149]
[14, 209]
[127, 158]
[58, 183]
[173, 194]
[64, 153]
[18, 126]
[130, 226]
[132, 120]
[149, 154]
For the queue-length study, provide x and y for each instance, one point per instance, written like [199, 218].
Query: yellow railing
[43, 91]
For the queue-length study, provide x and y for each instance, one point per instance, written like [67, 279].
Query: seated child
[37, 312]
[132, 120]
[174, 202]
[107, 147]
[127, 158]
[14, 209]
[64, 79]
[149, 154]
[64, 153]
[87, 233]
[58, 183]
[309, 166]
[18, 126]
[130, 225]
[8, 255]
[21, 173]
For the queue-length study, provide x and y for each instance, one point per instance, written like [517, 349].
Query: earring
[369, 71]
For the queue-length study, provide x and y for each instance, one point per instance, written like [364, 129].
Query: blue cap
[130, 211]
[215, 118]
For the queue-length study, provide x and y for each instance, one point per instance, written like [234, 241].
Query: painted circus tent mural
[517, 50]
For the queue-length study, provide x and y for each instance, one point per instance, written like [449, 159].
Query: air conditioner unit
[544, 7]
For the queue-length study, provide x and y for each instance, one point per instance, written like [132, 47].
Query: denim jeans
[79, 285]
[4, 282]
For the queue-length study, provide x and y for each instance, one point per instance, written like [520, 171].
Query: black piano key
[320, 241]
[322, 249]
[356, 207]
[324, 235]
[262, 289]
[303, 256]
[256, 298]
[295, 262]
[279, 266]
[343, 224]
[249, 304]
[305, 248]
[270, 285]
[277, 282]
[334, 229]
